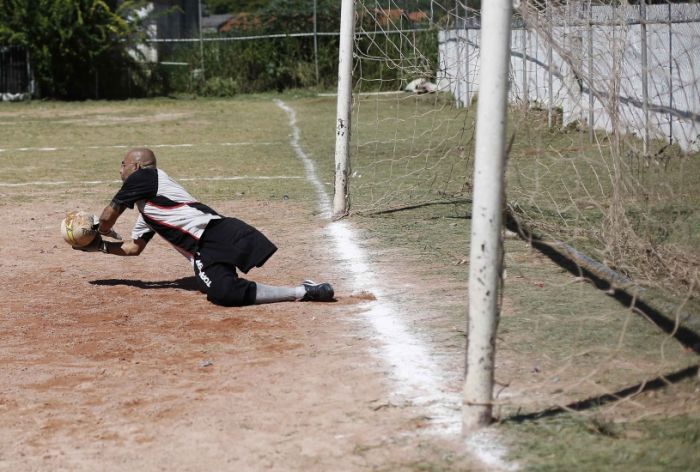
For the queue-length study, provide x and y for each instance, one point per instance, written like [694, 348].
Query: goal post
[485, 259]
[603, 141]
[344, 109]
[486, 246]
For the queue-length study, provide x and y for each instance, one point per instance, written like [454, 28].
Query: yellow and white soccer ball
[77, 228]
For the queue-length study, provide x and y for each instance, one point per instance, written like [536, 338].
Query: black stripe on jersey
[140, 185]
[203, 208]
[164, 202]
[147, 236]
[174, 235]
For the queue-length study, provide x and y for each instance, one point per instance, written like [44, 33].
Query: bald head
[143, 156]
[136, 159]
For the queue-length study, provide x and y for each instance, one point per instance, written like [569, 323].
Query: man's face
[128, 167]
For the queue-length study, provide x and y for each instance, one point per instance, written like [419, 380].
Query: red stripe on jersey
[168, 207]
[162, 223]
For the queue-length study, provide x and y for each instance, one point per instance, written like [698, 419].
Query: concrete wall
[611, 74]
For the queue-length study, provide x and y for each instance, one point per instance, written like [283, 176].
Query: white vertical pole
[591, 115]
[670, 76]
[467, 91]
[550, 66]
[645, 71]
[487, 214]
[344, 108]
[524, 52]
[460, 81]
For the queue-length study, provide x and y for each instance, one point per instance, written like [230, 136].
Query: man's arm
[109, 217]
[120, 248]
[125, 248]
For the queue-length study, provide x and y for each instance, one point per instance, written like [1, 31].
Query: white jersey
[165, 208]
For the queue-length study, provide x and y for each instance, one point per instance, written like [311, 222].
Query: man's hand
[97, 245]
[110, 234]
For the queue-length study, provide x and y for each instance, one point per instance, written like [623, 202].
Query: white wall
[673, 70]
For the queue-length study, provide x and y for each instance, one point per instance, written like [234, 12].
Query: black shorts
[229, 245]
[234, 242]
[223, 286]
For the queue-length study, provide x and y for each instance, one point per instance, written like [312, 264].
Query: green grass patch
[571, 442]
[204, 140]
[560, 340]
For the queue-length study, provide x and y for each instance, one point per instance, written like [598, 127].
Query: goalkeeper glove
[97, 244]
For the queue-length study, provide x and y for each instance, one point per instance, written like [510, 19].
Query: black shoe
[317, 292]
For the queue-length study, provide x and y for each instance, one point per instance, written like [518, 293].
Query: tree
[234, 6]
[297, 15]
[78, 48]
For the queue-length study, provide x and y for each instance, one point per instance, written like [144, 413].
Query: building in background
[214, 23]
[176, 19]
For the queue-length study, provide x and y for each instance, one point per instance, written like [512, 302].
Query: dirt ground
[121, 364]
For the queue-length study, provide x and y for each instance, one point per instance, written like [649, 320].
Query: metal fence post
[550, 65]
[645, 78]
[466, 63]
[524, 51]
[201, 40]
[591, 115]
[316, 41]
[670, 75]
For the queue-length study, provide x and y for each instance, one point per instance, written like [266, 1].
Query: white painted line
[369, 94]
[26, 184]
[416, 375]
[251, 144]
[124, 146]
[169, 145]
[189, 179]
[487, 447]
[323, 200]
[244, 177]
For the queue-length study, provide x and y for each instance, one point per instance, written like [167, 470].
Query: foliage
[230, 6]
[89, 49]
[297, 15]
[264, 64]
[282, 63]
[253, 66]
[79, 48]
[218, 87]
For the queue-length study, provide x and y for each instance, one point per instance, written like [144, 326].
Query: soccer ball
[77, 228]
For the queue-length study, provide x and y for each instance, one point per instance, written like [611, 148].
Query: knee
[241, 293]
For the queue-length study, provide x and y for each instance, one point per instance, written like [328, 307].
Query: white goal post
[344, 111]
[486, 245]
[486, 251]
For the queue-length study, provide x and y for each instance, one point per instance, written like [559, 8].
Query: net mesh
[411, 145]
[602, 178]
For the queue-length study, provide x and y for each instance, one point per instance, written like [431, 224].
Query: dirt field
[120, 364]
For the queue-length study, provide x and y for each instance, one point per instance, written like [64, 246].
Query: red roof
[393, 15]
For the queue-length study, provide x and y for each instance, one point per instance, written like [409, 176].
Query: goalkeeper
[217, 246]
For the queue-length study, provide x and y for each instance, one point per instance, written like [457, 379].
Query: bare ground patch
[120, 364]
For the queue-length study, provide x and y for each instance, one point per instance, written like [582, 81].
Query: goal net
[602, 178]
